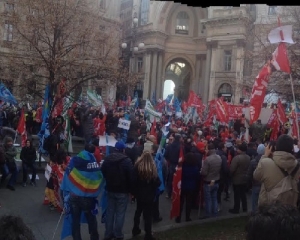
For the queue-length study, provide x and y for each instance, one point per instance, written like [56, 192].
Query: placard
[124, 124]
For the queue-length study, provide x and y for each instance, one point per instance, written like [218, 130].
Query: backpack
[286, 190]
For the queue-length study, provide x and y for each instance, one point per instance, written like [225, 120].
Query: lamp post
[134, 46]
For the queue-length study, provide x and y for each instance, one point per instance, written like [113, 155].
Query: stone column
[160, 81]
[153, 73]
[207, 74]
[195, 86]
[147, 75]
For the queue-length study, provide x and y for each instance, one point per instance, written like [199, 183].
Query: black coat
[144, 190]
[28, 155]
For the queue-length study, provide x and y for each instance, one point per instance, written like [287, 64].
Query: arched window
[225, 91]
[182, 23]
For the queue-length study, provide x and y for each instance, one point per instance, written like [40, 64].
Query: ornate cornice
[225, 21]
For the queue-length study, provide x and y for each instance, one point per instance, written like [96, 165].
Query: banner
[235, 111]
[124, 124]
[222, 110]
[258, 92]
[150, 110]
[94, 99]
[194, 100]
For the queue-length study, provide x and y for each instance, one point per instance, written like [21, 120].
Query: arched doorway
[225, 91]
[169, 87]
[179, 72]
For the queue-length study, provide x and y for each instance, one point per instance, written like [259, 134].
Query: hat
[200, 146]
[120, 146]
[261, 149]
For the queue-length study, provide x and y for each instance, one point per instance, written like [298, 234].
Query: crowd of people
[215, 162]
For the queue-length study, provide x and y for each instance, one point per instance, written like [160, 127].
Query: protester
[10, 165]
[117, 170]
[172, 157]
[274, 221]
[28, 157]
[211, 174]
[14, 228]
[279, 175]
[238, 171]
[190, 178]
[81, 185]
[255, 185]
[146, 183]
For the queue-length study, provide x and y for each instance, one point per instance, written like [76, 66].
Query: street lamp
[141, 45]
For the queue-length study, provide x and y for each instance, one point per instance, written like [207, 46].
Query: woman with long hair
[146, 183]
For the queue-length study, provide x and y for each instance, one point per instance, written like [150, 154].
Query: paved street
[27, 203]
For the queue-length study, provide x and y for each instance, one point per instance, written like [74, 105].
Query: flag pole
[294, 99]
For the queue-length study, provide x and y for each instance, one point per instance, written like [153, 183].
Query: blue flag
[67, 225]
[6, 96]
[45, 131]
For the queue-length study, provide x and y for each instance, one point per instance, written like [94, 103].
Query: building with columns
[193, 48]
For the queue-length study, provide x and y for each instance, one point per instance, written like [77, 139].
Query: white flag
[275, 37]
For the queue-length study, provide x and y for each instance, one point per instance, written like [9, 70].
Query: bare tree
[55, 39]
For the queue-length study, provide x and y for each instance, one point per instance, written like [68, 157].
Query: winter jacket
[211, 167]
[252, 153]
[28, 155]
[239, 168]
[190, 177]
[269, 174]
[253, 165]
[117, 170]
[224, 174]
[9, 152]
[199, 156]
[144, 190]
[172, 153]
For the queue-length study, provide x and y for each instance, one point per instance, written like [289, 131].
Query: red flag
[176, 186]
[184, 106]
[222, 110]
[22, 128]
[259, 92]
[194, 100]
[235, 111]
[272, 117]
[280, 59]
[281, 113]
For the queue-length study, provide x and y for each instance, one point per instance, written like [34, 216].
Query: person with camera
[278, 173]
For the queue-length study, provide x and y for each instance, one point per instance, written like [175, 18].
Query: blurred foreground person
[275, 221]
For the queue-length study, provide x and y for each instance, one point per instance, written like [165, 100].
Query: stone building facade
[205, 50]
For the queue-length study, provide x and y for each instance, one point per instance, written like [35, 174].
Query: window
[9, 7]
[272, 10]
[227, 60]
[8, 32]
[182, 23]
[144, 13]
[139, 86]
[140, 64]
